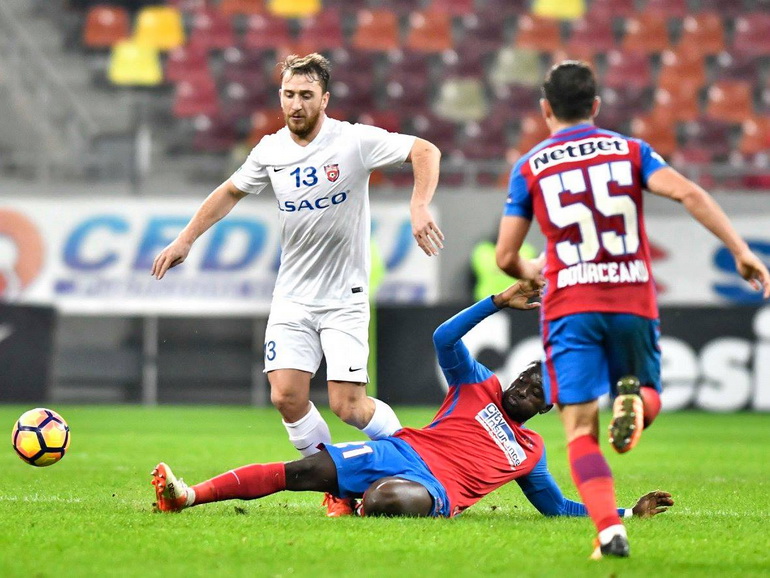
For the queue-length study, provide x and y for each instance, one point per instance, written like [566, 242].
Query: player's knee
[397, 497]
[350, 410]
[292, 406]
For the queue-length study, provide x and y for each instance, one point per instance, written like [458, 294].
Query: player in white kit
[319, 168]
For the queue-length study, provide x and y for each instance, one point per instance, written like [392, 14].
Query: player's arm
[543, 492]
[425, 158]
[218, 204]
[453, 356]
[669, 183]
[510, 238]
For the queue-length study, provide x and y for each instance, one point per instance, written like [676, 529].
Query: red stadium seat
[676, 103]
[735, 65]
[195, 97]
[376, 31]
[239, 101]
[730, 101]
[232, 8]
[682, 66]
[453, 7]
[429, 31]
[323, 31]
[645, 33]
[667, 9]
[390, 120]
[244, 67]
[538, 33]
[106, 25]
[590, 36]
[612, 8]
[704, 31]
[725, 8]
[468, 58]
[755, 136]
[265, 32]
[503, 8]
[627, 69]
[487, 33]
[212, 30]
[265, 122]
[620, 105]
[752, 34]
[659, 133]
[533, 131]
[485, 140]
[213, 134]
[187, 62]
[711, 134]
[515, 101]
[438, 131]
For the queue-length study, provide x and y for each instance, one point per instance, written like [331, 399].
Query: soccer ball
[41, 437]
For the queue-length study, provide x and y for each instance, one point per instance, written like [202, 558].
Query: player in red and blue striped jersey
[475, 444]
[599, 319]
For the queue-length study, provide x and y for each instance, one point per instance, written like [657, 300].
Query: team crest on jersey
[332, 172]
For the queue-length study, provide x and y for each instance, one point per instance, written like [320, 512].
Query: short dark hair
[314, 65]
[570, 89]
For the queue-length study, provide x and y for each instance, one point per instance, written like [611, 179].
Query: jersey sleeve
[519, 202]
[650, 161]
[252, 177]
[380, 148]
[455, 360]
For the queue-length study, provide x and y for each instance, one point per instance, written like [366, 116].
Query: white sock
[610, 532]
[309, 431]
[384, 421]
[190, 498]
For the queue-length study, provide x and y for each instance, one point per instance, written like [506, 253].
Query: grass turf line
[90, 514]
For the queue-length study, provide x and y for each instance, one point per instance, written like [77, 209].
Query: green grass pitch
[90, 514]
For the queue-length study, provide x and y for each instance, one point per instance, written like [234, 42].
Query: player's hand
[518, 295]
[751, 268]
[171, 256]
[652, 504]
[425, 230]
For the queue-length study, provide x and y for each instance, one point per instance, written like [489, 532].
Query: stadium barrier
[26, 345]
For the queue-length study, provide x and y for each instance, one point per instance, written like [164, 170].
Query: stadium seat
[265, 32]
[559, 9]
[484, 140]
[503, 8]
[533, 131]
[627, 69]
[726, 9]
[730, 101]
[684, 65]
[516, 66]
[212, 30]
[645, 33]
[105, 25]
[676, 103]
[351, 92]
[232, 8]
[711, 134]
[436, 130]
[705, 31]
[389, 120]
[590, 36]
[213, 134]
[752, 34]
[461, 100]
[659, 133]
[194, 98]
[134, 64]
[376, 31]
[408, 67]
[453, 7]
[160, 27]
[667, 9]
[538, 33]
[620, 105]
[294, 8]
[429, 31]
[515, 101]
[244, 67]
[612, 8]
[733, 65]
[185, 62]
[184, 6]
[265, 122]
[487, 33]
[467, 58]
[755, 136]
[323, 31]
[409, 95]
[239, 101]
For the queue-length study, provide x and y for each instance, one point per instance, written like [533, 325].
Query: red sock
[594, 482]
[651, 399]
[246, 483]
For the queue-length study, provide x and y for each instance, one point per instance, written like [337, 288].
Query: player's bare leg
[627, 415]
[593, 478]
[396, 497]
[351, 404]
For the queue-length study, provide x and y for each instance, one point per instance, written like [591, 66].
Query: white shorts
[298, 335]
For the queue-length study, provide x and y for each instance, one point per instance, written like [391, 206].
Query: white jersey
[323, 199]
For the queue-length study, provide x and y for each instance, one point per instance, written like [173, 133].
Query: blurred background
[120, 116]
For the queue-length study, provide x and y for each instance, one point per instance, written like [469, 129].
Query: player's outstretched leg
[171, 493]
[627, 415]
